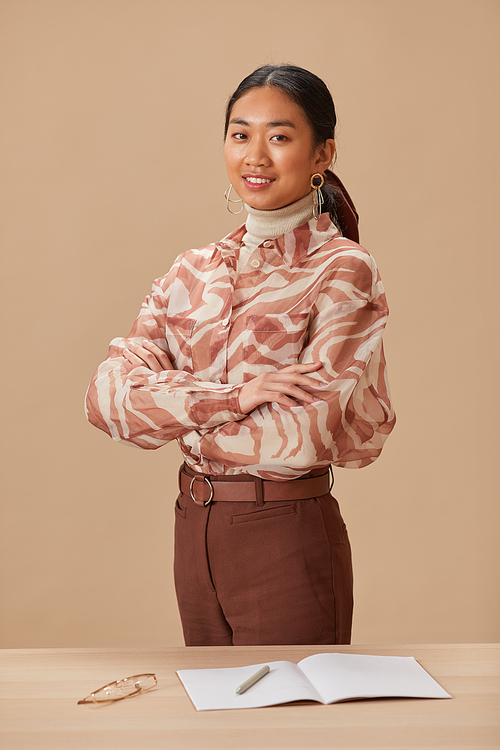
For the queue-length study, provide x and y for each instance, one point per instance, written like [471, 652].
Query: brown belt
[205, 489]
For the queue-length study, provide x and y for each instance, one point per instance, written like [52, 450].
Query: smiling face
[269, 151]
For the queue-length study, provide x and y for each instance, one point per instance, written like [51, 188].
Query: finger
[132, 358]
[154, 348]
[277, 380]
[288, 400]
[146, 356]
[141, 352]
[293, 391]
[298, 379]
[302, 396]
[160, 355]
[302, 367]
[285, 401]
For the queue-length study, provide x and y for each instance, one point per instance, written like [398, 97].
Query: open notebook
[325, 678]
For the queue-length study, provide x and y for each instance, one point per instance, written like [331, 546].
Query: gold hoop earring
[229, 200]
[317, 182]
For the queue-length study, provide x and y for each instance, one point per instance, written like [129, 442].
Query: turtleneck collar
[272, 224]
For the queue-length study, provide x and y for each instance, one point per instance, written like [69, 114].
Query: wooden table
[39, 690]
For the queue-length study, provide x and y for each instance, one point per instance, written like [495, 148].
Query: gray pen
[253, 679]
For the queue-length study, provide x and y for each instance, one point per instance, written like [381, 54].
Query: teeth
[257, 180]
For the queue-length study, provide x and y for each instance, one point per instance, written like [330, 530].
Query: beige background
[112, 164]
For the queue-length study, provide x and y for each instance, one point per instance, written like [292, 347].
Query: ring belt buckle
[206, 502]
[332, 477]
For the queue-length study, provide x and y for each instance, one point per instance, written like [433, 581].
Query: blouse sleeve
[148, 409]
[351, 419]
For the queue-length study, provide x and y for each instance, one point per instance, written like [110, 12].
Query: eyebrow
[273, 124]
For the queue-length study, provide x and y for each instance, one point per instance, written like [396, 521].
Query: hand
[283, 387]
[147, 354]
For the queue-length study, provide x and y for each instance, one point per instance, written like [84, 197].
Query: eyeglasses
[120, 689]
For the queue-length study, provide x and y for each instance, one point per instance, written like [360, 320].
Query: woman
[262, 355]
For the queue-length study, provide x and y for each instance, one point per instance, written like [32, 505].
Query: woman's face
[269, 151]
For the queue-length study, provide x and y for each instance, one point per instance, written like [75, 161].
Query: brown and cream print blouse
[310, 295]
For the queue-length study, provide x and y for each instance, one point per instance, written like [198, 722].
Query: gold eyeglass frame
[93, 700]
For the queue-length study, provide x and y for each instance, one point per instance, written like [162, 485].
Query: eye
[238, 136]
[279, 138]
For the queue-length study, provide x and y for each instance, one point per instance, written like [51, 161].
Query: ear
[325, 154]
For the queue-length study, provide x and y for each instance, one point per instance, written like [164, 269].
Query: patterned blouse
[309, 295]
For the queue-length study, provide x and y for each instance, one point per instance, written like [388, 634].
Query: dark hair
[312, 96]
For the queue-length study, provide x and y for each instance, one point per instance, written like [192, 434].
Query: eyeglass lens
[125, 688]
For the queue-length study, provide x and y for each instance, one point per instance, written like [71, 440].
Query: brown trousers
[267, 574]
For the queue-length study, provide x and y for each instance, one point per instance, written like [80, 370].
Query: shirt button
[255, 263]
[268, 243]
[225, 322]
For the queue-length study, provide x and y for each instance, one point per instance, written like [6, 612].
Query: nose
[257, 154]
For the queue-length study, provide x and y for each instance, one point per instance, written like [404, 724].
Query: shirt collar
[293, 245]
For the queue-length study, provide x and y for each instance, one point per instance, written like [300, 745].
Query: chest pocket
[178, 335]
[275, 339]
